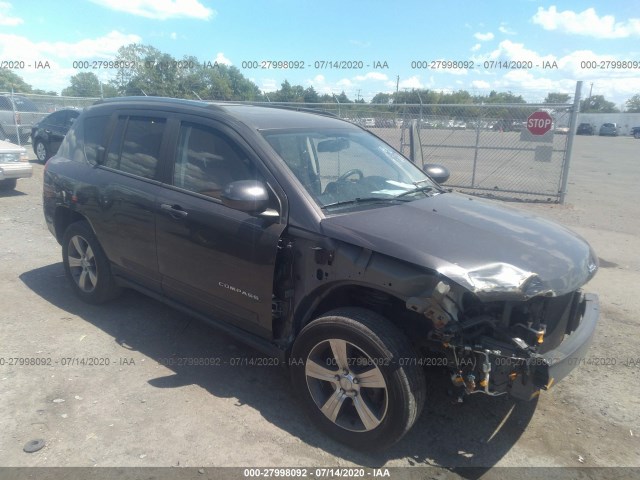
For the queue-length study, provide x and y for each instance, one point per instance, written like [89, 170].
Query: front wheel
[353, 370]
[86, 265]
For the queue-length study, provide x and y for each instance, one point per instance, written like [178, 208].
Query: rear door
[211, 257]
[128, 186]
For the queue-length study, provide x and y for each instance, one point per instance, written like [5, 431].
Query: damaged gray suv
[314, 241]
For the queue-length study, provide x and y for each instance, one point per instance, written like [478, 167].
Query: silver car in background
[610, 129]
[14, 164]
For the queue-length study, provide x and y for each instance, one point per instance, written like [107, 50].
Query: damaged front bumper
[543, 370]
[501, 362]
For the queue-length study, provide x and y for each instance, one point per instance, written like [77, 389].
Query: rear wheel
[86, 265]
[354, 371]
[41, 151]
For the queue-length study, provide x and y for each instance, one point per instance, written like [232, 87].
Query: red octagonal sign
[539, 123]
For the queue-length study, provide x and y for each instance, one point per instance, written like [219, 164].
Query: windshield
[341, 168]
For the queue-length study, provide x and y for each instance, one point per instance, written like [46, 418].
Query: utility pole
[397, 85]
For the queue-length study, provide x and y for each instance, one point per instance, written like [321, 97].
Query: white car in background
[14, 164]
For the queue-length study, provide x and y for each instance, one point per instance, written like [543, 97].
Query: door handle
[175, 211]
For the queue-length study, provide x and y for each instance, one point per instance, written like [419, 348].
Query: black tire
[42, 151]
[376, 351]
[86, 265]
[8, 184]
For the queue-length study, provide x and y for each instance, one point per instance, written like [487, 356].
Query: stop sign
[539, 123]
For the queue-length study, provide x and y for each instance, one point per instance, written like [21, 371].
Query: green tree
[504, 97]
[39, 91]
[633, 104]
[83, 84]
[148, 71]
[342, 98]
[597, 104]
[310, 95]
[10, 80]
[555, 97]
[382, 98]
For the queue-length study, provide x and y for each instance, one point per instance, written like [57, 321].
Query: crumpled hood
[494, 251]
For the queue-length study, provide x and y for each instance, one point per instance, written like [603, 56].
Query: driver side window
[207, 161]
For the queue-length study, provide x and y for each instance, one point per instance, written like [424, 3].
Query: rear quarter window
[135, 145]
[94, 136]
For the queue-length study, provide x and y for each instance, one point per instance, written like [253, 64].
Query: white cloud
[344, 83]
[476, 47]
[160, 9]
[411, 82]
[60, 55]
[173, 35]
[586, 23]
[5, 19]
[515, 51]
[105, 47]
[506, 30]
[483, 37]
[360, 43]
[269, 85]
[371, 76]
[220, 58]
[481, 84]
[572, 65]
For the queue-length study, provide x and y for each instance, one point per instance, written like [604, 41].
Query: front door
[210, 256]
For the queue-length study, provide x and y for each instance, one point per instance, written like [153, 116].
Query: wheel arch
[64, 217]
[358, 294]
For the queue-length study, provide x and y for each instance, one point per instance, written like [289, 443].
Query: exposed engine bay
[497, 348]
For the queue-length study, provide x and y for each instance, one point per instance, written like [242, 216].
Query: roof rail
[296, 108]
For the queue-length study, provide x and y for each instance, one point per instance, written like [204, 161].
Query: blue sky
[398, 33]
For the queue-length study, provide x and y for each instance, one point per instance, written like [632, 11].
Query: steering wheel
[347, 174]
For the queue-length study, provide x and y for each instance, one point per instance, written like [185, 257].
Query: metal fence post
[572, 132]
[475, 153]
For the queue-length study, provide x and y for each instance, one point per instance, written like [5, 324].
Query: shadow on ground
[477, 433]
[12, 193]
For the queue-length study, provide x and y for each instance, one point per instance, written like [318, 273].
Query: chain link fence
[487, 148]
[20, 111]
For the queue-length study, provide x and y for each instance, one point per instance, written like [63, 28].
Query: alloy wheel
[346, 385]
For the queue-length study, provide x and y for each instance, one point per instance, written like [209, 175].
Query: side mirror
[100, 153]
[439, 173]
[248, 196]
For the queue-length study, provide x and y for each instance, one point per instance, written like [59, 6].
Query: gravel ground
[139, 411]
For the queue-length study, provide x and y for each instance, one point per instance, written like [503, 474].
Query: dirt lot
[138, 410]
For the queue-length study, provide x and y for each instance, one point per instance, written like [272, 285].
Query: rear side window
[94, 132]
[135, 145]
[56, 118]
